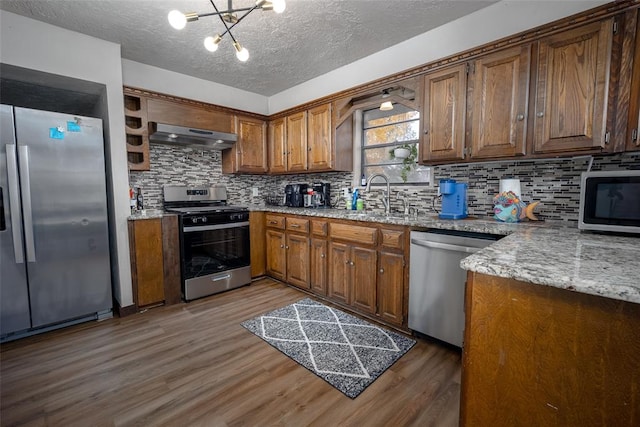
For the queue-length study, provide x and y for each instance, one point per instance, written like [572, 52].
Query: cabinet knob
[347, 262]
[282, 246]
[309, 149]
[520, 117]
[426, 131]
[321, 255]
[540, 114]
[352, 263]
[381, 270]
[286, 247]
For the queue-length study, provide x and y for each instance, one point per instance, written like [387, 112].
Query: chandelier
[229, 19]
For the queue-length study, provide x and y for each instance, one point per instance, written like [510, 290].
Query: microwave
[610, 201]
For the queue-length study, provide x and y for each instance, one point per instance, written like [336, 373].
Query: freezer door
[62, 172]
[14, 296]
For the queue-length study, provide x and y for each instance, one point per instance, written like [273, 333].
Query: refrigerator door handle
[14, 202]
[23, 151]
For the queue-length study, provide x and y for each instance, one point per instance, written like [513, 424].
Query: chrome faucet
[387, 195]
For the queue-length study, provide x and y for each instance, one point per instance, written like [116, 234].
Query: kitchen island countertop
[538, 253]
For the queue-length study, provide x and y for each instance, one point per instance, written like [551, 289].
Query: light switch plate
[254, 191]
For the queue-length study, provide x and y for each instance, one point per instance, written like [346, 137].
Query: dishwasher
[436, 281]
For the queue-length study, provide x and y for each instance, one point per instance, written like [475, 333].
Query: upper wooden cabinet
[443, 114]
[304, 142]
[277, 146]
[319, 138]
[297, 142]
[498, 100]
[571, 89]
[176, 113]
[249, 154]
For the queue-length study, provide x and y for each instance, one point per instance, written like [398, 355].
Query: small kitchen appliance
[454, 199]
[322, 193]
[294, 195]
[610, 202]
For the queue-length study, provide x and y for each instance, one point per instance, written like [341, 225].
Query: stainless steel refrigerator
[54, 241]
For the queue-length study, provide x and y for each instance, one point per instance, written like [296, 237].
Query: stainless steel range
[214, 240]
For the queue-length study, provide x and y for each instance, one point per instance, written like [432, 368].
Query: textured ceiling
[309, 39]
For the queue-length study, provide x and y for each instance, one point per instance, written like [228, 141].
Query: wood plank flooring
[194, 365]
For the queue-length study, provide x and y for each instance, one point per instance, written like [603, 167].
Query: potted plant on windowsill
[408, 153]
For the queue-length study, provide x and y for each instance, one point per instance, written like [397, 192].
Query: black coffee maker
[323, 192]
[294, 195]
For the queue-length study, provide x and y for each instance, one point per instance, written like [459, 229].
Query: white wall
[144, 76]
[486, 25]
[38, 46]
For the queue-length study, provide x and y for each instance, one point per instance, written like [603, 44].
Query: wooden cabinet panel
[171, 260]
[319, 145]
[276, 221]
[392, 239]
[174, 113]
[543, 356]
[147, 261]
[363, 279]
[391, 287]
[257, 248]
[339, 269]
[319, 228]
[444, 110]
[297, 142]
[298, 225]
[276, 254]
[353, 233]
[249, 154]
[498, 92]
[633, 131]
[298, 260]
[318, 261]
[572, 84]
[277, 146]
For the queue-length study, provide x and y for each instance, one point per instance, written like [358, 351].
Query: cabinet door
[147, 261]
[499, 89]
[363, 279]
[277, 146]
[319, 138]
[318, 262]
[391, 287]
[276, 254]
[443, 118]
[297, 142]
[339, 270]
[298, 260]
[251, 145]
[571, 93]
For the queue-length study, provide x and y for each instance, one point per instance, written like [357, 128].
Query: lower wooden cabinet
[318, 262]
[361, 266]
[155, 260]
[391, 272]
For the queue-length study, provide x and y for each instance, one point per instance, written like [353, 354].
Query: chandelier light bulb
[241, 52]
[279, 6]
[386, 106]
[177, 19]
[211, 43]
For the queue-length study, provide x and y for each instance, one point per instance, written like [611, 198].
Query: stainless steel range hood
[202, 139]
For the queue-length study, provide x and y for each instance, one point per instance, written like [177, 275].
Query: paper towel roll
[510, 184]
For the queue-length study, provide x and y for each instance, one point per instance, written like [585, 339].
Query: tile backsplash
[555, 183]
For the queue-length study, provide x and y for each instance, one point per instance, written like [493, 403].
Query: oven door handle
[215, 227]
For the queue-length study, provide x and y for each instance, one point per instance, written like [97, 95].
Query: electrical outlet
[254, 191]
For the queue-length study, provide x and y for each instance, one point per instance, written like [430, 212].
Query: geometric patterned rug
[347, 352]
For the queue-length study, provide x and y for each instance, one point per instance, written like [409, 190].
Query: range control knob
[204, 219]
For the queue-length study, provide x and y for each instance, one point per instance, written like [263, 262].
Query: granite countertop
[147, 214]
[540, 253]
[594, 264]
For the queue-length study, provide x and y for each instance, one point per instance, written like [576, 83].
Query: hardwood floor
[193, 364]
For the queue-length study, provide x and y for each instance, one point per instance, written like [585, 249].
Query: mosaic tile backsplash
[555, 183]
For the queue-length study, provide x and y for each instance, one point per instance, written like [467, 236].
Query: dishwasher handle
[445, 246]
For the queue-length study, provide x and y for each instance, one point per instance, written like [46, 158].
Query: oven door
[215, 258]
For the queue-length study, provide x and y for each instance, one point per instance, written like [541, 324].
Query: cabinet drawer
[354, 233]
[297, 224]
[275, 221]
[319, 228]
[392, 238]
